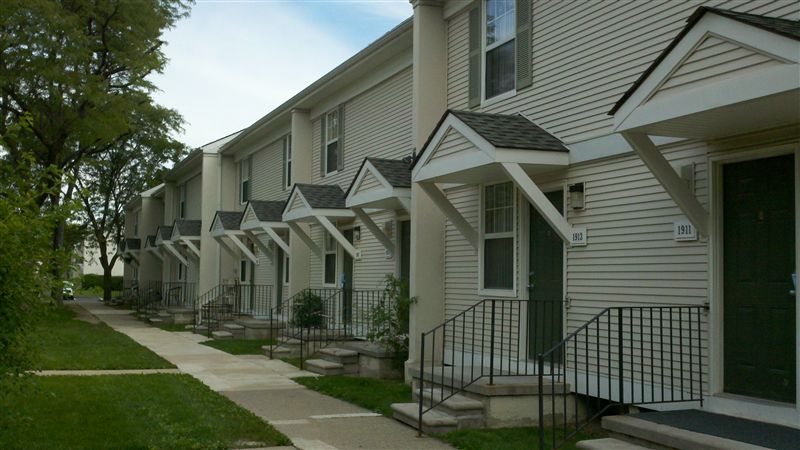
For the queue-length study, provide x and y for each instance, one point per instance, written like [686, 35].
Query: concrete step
[608, 444]
[155, 320]
[655, 435]
[324, 367]
[280, 351]
[236, 330]
[457, 405]
[189, 327]
[433, 422]
[221, 335]
[339, 355]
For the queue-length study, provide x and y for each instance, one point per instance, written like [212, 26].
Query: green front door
[759, 259]
[545, 281]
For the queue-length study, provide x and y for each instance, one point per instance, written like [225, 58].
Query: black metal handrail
[318, 316]
[490, 339]
[622, 356]
[229, 301]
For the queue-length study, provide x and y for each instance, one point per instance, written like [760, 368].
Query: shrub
[390, 320]
[307, 311]
[91, 281]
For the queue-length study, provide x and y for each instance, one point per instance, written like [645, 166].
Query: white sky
[233, 61]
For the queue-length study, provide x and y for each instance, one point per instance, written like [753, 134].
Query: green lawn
[66, 343]
[373, 394]
[127, 411]
[519, 438]
[239, 346]
[173, 327]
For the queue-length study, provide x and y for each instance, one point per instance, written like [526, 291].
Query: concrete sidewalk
[265, 387]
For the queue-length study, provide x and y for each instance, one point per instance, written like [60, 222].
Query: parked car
[68, 291]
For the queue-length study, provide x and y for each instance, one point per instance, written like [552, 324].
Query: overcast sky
[232, 61]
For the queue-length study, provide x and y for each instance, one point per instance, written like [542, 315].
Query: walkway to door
[311, 420]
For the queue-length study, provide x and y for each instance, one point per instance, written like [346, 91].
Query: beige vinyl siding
[377, 124]
[264, 272]
[713, 60]
[370, 182]
[194, 198]
[453, 143]
[461, 259]
[586, 55]
[267, 182]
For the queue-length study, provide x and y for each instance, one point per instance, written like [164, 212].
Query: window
[285, 268]
[243, 270]
[498, 237]
[181, 272]
[500, 51]
[332, 141]
[330, 259]
[182, 201]
[244, 180]
[287, 161]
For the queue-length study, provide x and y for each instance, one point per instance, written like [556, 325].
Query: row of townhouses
[602, 196]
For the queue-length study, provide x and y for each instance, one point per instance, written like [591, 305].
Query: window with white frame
[182, 201]
[330, 259]
[499, 47]
[287, 161]
[244, 180]
[332, 141]
[498, 236]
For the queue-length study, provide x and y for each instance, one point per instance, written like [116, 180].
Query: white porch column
[429, 102]
[170, 197]
[152, 216]
[209, 247]
[229, 201]
[301, 173]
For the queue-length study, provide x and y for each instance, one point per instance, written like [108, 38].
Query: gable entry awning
[226, 225]
[380, 184]
[164, 241]
[151, 246]
[473, 148]
[262, 216]
[726, 73]
[187, 232]
[129, 247]
[311, 203]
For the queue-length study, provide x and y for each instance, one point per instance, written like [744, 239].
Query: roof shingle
[166, 232]
[510, 131]
[230, 219]
[396, 171]
[188, 227]
[328, 196]
[268, 211]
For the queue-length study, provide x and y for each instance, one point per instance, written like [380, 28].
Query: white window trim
[287, 172]
[505, 293]
[325, 252]
[243, 275]
[486, 48]
[329, 141]
[242, 180]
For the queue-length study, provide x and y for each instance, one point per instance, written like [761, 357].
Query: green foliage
[161, 411]
[390, 320]
[373, 394]
[91, 281]
[307, 311]
[27, 263]
[67, 343]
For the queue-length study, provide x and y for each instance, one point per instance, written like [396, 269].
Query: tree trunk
[102, 245]
[106, 283]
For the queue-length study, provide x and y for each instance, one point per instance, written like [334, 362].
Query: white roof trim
[378, 198]
[307, 213]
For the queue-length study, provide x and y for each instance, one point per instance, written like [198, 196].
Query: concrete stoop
[221, 335]
[609, 444]
[653, 435]
[236, 330]
[433, 421]
[261, 328]
[286, 348]
[334, 361]
[324, 367]
[155, 320]
[181, 316]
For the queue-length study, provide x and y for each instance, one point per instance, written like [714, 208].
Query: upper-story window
[332, 141]
[244, 180]
[499, 47]
[182, 201]
[330, 259]
[498, 235]
[287, 161]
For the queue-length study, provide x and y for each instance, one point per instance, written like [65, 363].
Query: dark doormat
[733, 428]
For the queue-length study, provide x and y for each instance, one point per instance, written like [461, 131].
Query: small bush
[390, 320]
[91, 281]
[307, 311]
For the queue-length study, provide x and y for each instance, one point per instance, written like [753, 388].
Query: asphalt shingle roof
[151, 241]
[510, 131]
[166, 232]
[230, 219]
[188, 227]
[396, 171]
[329, 196]
[784, 27]
[268, 211]
[133, 244]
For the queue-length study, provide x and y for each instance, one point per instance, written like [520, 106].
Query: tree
[108, 181]
[77, 71]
